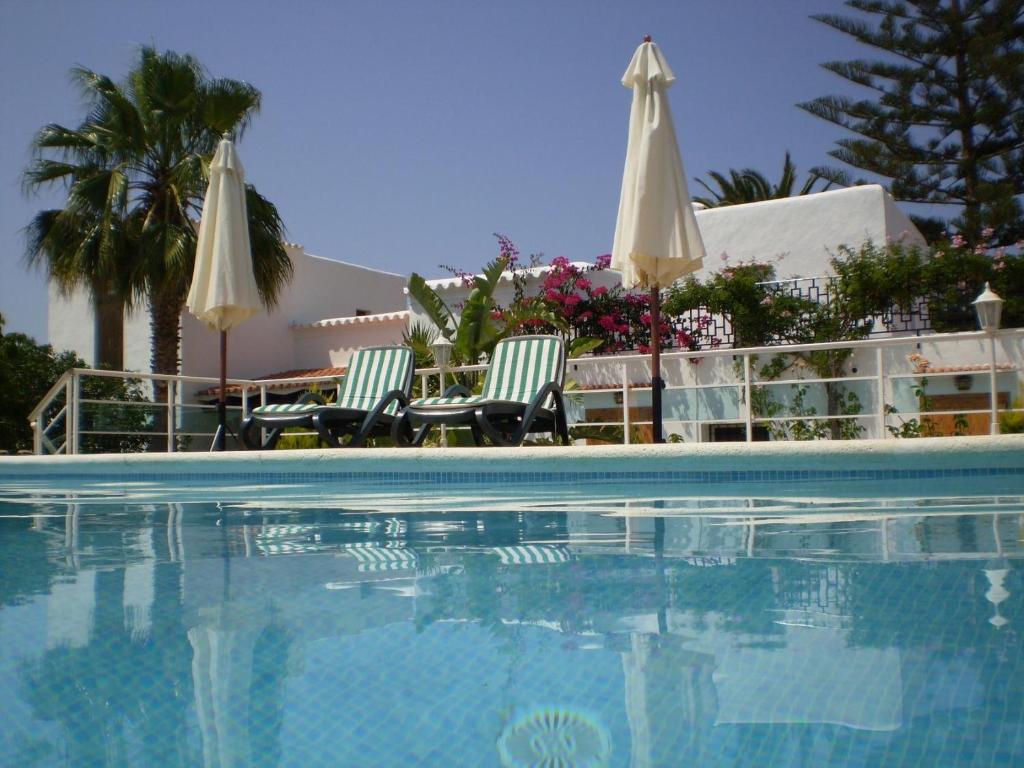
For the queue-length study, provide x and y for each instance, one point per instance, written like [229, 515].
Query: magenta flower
[599, 291]
[583, 284]
[603, 262]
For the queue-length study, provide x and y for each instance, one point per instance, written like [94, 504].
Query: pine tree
[946, 121]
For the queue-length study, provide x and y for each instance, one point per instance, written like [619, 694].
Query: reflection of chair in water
[532, 554]
[374, 557]
[287, 539]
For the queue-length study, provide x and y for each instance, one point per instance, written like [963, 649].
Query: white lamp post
[442, 350]
[989, 307]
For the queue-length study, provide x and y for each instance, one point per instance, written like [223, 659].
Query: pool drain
[554, 737]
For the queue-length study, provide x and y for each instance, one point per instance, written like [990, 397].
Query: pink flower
[623, 328]
[583, 284]
[560, 261]
[643, 349]
[572, 300]
[552, 295]
[958, 241]
[496, 314]
[599, 291]
[987, 232]
[683, 339]
[586, 314]
[607, 322]
[645, 318]
[603, 262]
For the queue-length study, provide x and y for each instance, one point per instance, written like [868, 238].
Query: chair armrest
[457, 389]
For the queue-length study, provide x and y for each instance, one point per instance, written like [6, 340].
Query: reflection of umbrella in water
[656, 236]
[223, 291]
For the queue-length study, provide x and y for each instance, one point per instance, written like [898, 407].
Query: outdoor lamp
[989, 306]
[442, 350]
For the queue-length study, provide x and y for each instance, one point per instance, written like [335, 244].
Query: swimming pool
[796, 609]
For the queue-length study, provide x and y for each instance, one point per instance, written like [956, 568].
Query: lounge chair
[377, 383]
[522, 393]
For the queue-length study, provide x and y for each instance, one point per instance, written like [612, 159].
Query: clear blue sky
[401, 134]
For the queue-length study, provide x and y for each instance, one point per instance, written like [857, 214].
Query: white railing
[180, 421]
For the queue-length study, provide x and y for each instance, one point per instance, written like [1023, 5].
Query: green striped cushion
[286, 408]
[522, 365]
[447, 402]
[372, 373]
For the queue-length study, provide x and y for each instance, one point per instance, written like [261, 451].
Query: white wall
[799, 234]
[330, 345]
[70, 323]
[266, 344]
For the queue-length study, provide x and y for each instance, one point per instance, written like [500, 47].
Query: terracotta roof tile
[298, 373]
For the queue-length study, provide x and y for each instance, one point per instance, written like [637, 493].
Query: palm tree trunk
[165, 327]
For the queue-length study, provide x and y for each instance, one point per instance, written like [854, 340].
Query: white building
[798, 235]
[332, 307]
[266, 343]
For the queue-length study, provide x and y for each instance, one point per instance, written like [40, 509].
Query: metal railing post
[880, 364]
[263, 401]
[69, 396]
[625, 406]
[993, 386]
[170, 415]
[749, 416]
[75, 415]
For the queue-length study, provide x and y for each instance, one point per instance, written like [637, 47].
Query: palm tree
[749, 186]
[135, 171]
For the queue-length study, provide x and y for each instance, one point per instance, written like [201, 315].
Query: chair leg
[421, 435]
[272, 438]
[478, 437]
[562, 426]
[245, 432]
[484, 425]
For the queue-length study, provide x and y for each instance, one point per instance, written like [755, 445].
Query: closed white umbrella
[656, 236]
[223, 291]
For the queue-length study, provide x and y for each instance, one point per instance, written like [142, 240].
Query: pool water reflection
[748, 631]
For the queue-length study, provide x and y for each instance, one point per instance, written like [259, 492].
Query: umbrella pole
[656, 383]
[220, 438]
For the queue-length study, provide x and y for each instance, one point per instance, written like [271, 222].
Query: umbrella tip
[647, 38]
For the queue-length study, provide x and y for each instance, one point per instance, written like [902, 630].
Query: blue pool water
[861, 623]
